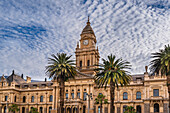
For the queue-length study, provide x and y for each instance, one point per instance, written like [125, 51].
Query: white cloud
[30, 31]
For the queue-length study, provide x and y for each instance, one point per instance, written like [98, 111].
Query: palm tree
[61, 68]
[13, 108]
[101, 100]
[129, 109]
[33, 110]
[112, 72]
[161, 63]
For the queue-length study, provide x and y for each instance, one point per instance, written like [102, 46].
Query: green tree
[129, 109]
[101, 100]
[61, 68]
[13, 108]
[112, 72]
[161, 63]
[33, 110]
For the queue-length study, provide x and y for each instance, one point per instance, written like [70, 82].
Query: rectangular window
[80, 63]
[66, 95]
[72, 95]
[84, 96]
[156, 92]
[88, 62]
[6, 98]
[78, 95]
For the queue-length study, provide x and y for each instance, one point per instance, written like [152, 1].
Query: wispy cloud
[31, 30]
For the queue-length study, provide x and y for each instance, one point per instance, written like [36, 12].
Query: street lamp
[89, 96]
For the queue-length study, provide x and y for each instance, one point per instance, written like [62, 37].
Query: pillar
[146, 108]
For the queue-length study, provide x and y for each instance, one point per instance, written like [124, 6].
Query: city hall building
[146, 93]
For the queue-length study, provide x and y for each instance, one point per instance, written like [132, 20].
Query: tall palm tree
[161, 62]
[101, 100]
[61, 68]
[13, 108]
[114, 73]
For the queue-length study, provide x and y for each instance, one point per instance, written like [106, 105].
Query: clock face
[85, 42]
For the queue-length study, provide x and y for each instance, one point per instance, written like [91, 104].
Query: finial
[88, 22]
[77, 44]
[12, 72]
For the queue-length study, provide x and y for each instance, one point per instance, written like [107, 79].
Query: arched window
[124, 108]
[23, 109]
[24, 99]
[156, 108]
[125, 96]
[50, 108]
[51, 98]
[138, 95]
[41, 98]
[32, 99]
[138, 109]
[41, 109]
[15, 99]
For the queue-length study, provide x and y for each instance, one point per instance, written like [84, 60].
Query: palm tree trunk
[62, 89]
[101, 108]
[112, 89]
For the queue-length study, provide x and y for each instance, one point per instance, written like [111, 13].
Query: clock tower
[87, 55]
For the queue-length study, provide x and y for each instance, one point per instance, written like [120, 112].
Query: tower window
[88, 62]
[41, 98]
[6, 98]
[80, 63]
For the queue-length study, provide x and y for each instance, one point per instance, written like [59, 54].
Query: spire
[88, 29]
[88, 22]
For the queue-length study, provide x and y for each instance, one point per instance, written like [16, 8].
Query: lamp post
[89, 96]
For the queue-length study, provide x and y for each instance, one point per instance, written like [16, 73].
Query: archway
[156, 108]
[74, 110]
[68, 110]
[138, 109]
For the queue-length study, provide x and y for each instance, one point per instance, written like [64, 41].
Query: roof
[88, 29]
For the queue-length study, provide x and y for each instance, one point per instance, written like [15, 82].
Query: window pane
[6, 98]
[72, 95]
[51, 98]
[32, 99]
[138, 95]
[78, 95]
[66, 95]
[41, 99]
[84, 96]
[125, 96]
[99, 109]
[156, 92]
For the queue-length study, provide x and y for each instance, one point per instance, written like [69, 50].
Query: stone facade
[145, 93]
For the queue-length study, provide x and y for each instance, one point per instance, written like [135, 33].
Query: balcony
[156, 98]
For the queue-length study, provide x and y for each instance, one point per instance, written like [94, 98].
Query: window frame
[138, 97]
[156, 94]
[125, 96]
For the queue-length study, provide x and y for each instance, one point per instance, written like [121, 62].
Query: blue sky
[32, 30]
